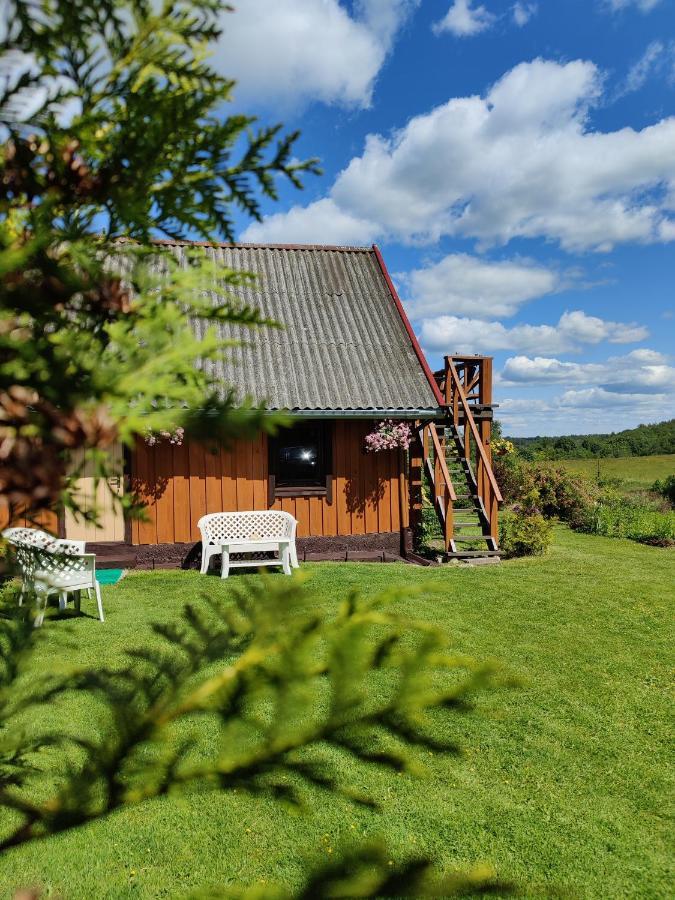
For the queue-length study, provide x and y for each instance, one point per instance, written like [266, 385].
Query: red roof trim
[408, 327]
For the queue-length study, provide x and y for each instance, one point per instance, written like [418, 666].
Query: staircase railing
[444, 494]
[464, 395]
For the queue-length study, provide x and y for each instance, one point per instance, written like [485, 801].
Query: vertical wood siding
[47, 520]
[181, 484]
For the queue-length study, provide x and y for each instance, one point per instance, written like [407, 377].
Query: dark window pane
[299, 456]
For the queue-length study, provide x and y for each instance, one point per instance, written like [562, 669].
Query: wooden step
[471, 554]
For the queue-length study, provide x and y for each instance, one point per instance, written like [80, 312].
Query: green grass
[563, 782]
[637, 472]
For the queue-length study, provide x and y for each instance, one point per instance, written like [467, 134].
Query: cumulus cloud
[462, 284]
[590, 410]
[591, 398]
[289, 52]
[523, 12]
[609, 402]
[522, 161]
[453, 334]
[322, 222]
[464, 20]
[637, 372]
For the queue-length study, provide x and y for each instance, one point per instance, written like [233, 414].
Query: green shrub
[567, 496]
[524, 532]
[514, 476]
[666, 488]
[630, 519]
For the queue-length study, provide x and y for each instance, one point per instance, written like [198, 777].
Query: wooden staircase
[457, 459]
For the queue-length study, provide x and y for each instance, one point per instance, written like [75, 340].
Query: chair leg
[294, 556]
[78, 600]
[41, 603]
[225, 564]
[99, 601]
[205, 561]
[286, 560]
[63, 600]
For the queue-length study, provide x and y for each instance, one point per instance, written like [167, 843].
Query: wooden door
[98, 496]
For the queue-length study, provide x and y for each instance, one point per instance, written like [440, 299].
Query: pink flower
[389, 435]
[174, 437]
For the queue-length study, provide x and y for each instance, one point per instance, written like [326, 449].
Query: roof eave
[413, 414]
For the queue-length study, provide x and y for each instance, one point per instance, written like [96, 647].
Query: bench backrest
[271, 524]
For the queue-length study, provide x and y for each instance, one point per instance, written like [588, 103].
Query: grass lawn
[563, 783]
[638, 472]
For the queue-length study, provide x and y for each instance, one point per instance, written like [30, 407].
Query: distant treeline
[645, 440]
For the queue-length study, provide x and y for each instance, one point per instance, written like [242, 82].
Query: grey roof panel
[343, 345]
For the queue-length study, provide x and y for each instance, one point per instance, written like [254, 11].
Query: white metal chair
[249, 532]
[54, 566]
[63, 573]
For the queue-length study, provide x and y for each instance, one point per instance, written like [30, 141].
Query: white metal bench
[249, 532]
[53, 566]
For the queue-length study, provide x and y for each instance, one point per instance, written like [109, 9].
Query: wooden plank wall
[47, 519]
[181, 484]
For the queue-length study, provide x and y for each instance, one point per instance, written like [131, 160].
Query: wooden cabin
[345, 359]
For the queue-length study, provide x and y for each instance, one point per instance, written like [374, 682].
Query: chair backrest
[66, 545]
[55, 566]
[271, 524]
[32, 536]
[49, 561]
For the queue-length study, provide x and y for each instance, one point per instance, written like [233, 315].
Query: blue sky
[515, 162]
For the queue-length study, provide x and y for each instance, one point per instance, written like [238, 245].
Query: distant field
[638, 472]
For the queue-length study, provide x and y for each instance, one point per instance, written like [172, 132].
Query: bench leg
[99, 601]
[225, 564]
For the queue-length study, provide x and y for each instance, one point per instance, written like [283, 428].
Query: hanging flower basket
[389, 435]
[174, 437]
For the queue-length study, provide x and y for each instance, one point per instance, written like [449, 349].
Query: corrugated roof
[344, 345]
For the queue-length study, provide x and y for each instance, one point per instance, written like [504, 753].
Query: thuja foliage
[114, 128]
[260, 692]
[114, 132]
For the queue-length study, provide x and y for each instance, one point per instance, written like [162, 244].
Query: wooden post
[415, 480]
[485, 395]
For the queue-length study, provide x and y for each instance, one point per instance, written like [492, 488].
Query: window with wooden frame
[300, 463]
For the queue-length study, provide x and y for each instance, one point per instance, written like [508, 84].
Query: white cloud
[322, 222]
[462, 284]
[598, 398]
[520, 162]
[523, 12]
[580, 328]
[658, 59]
[464, 20]
[637, 372]
[453, 334]
[592, 410]
[642, 5]
[642, 69]
[289, 52]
